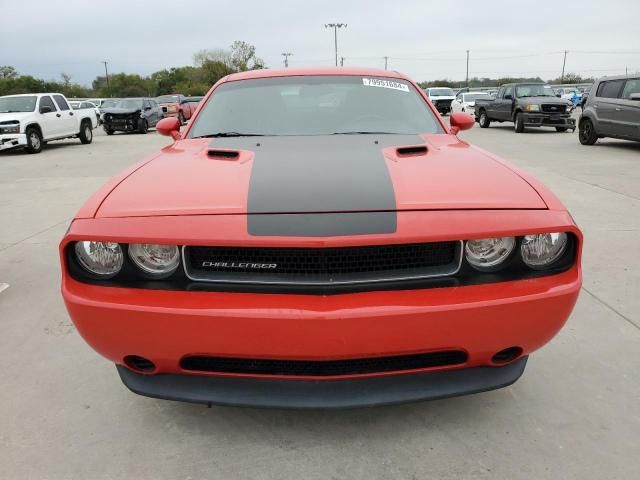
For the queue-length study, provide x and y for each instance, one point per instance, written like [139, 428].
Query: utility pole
[386, 60]
[563, 64]
[286, 56]
[106, 72]
[467, 83]
[335, 27]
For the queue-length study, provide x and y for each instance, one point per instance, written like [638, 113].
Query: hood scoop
[411, 151]
[219, 154]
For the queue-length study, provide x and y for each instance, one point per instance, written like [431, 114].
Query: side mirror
[559, 95]
[634, 96]
[508, 96]
[460, 121]
[169, 127]
[46, 109]
[147, 108]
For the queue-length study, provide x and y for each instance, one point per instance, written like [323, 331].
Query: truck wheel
[86, 133]
[586, 133]
[143, 126]
[34, 140]
[181, 118]
[519, 123]
[561, 129]
[484, 120]
[108, 131]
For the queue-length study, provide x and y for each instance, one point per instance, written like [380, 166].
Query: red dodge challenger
[319, 238]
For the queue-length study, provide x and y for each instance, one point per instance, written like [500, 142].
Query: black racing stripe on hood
[321, 175]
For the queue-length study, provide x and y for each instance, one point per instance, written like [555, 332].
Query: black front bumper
[542, 120]
[348, 393]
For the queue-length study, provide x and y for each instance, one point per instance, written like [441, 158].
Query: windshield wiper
[230, 134]
[364, 133]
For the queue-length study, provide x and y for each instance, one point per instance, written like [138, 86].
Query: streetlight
[335, 27]
[286, 58]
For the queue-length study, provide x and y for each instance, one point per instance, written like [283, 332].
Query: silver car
[611, 110]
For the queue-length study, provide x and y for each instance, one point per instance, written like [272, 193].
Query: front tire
[86, 133]
[34, 140]
[519, 123]
[143, 126]
[484, 121]
[587, 133]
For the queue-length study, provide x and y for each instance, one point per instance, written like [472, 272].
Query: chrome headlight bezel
[556, 251]
[90, 262]
[491, 255]
[142, 258]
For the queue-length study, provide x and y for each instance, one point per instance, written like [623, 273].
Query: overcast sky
[424, 39]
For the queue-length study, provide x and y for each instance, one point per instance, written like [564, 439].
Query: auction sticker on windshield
[376, 82]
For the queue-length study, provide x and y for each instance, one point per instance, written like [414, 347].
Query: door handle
[618, 109]
[58, 115]
[71, 113]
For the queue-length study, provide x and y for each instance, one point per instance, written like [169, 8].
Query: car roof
[620, 77]
[291, 72]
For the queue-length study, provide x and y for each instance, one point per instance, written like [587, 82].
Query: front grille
[442, 103]
[553, 108]
[322, 266]
[323, 368]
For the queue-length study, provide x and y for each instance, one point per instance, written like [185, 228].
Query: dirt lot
[574, 414]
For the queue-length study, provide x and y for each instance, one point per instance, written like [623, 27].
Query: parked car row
[610, 107]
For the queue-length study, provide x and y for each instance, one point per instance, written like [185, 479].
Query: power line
[106, 72]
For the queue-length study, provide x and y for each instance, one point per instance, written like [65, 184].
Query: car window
[508, 91]
[315, 105]
[62, 103]
[500, 93]
[630, 87]
[47, 102]
[610, 89]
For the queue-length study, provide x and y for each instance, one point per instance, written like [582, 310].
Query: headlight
[11, 129]
[541, 250]
[155, 260]
[103, 259]
[488, 253]
[532, 108]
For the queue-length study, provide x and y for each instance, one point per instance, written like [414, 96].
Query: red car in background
[188, 107]
[319, 238]
[171, 106]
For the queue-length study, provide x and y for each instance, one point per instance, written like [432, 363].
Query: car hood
[544, 99]
[121, 110]
[318, 174]
[15, 116]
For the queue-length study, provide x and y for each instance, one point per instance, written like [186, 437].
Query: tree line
[208, 67]
[568, 78]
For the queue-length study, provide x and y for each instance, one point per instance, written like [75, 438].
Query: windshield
[109, 103]
[17, 104]
[75, 105]
[129, 103]
[472, 97]
[440, 92]
[168, 99]
[535, 90]
[315, 105]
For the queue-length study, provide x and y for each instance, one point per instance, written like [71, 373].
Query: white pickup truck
[32, 120]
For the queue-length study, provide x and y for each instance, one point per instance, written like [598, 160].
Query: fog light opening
[507, 355]
[139, 364]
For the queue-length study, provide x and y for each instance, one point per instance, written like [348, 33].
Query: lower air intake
[321, 368]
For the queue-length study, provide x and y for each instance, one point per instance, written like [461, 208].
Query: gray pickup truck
[526, 105]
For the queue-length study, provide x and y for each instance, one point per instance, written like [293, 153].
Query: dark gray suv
[612, 110]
